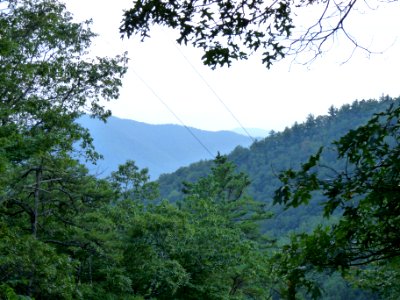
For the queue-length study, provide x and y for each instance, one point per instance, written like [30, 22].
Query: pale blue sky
[258, 97]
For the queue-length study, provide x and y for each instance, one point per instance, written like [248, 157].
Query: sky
[168, 84]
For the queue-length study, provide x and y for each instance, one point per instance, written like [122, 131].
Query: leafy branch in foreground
[229, 30]
[364, 194]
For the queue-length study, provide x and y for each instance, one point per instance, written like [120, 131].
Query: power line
[215, 94]
[169, 109]
[210, 88]
[173, 113]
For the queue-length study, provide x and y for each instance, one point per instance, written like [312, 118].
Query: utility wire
[173, 113]
[169, 109]
[211, 89]
[215, 93]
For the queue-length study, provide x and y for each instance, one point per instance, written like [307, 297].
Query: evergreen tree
[364, 194]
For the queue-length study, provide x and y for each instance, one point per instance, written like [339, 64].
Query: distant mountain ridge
[160, 148]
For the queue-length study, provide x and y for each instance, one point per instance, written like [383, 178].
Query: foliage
[199, 249]
[226, 31]
[132, 183]
[232, 30]
[225, 190]
[282, 150]
[48, 80]
[279, 151]
[380, 277]
[32, 267]
[222, 210]
[364, 192]
[65, 234]
[51, 237]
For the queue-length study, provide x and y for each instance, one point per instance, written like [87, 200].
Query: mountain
[160, 148]
[264, 159]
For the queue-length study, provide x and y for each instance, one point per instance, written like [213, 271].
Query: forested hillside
[160, 148]
[264, 159]
[68, 234]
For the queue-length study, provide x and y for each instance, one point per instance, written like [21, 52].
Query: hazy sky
[258, 97]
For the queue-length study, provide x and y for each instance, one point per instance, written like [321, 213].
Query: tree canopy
[47, 78]
[66, 234]
[232, 30]
[364, 193]
[50, 206]
[359, 195]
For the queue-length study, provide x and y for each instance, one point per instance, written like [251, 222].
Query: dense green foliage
[267, 158]
[199, 249]
[264, 159]
[66, 234]
[50, 206]
[364, 192]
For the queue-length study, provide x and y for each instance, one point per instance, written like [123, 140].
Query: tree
[232, 30]
[132, 183]
[50, 207]
[225, 191]
[364, 195]
[47, 78]
[230, 249]
[47, 82]
[201, 248]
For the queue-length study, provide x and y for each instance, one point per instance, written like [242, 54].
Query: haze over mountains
[160, 148]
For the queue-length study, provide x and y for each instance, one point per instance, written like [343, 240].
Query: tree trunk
[35, 216]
